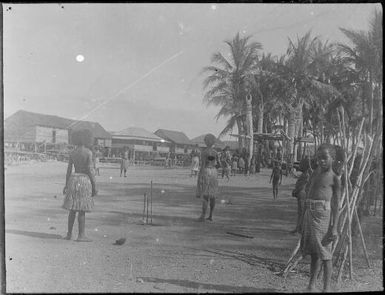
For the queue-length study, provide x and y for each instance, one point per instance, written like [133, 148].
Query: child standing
[80, 186]
[241, 165]
[225, 162]
[194, 163]
[124, 164]
[276, 176]
[207, 186]
[299, 192]
[320, 220]
[234, 165]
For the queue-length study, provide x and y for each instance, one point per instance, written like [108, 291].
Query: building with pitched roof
[30, 129]
[199, 140]
[141, 143]
[179, 142]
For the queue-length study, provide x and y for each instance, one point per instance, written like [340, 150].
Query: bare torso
[321, 185]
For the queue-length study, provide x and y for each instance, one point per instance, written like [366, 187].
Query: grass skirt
[315, 225]
[208, 183]
[78, 195]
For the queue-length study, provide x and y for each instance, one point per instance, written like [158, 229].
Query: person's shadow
[33, 234]
[199, 285]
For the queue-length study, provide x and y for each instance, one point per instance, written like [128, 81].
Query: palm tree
[226, 82]
[365, 57]
[299, 70]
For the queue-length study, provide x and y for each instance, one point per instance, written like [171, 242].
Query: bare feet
[67, 237]
[83, 239]
[209, 218]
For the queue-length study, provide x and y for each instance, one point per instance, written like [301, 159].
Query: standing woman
[207, 186]
[80, 186]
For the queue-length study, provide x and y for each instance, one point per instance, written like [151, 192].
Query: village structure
[26, 133]
[192, 148]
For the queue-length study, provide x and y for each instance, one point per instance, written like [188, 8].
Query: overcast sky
[142, 62]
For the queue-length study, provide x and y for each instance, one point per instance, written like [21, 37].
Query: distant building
[199, 140]
[179, 142]
[141, 144]
[232, 144]
[28, 130]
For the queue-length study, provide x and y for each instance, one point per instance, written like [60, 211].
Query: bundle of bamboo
[351, 196]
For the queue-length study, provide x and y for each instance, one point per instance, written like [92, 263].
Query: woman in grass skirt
[80, 186]
[207, 186]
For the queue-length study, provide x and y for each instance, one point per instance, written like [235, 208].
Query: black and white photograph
[192, 147]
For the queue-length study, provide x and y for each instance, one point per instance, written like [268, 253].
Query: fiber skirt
[79, 193]
[207, 183]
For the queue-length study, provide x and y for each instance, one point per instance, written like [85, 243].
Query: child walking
[80, 186]
[207, 186]
[276, 176]
[320, 219]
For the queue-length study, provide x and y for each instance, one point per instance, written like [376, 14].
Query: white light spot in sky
[213, 6]
[312, 13]
[79, 58]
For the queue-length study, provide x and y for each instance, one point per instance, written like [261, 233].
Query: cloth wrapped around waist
[315, 225]
[312, 204]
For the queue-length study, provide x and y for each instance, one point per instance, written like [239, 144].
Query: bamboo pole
[339, 275]
[341, 119]
[362, 238]
[356, 146]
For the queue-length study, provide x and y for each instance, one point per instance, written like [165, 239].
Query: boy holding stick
[320, 220]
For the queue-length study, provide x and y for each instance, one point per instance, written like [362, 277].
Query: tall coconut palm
[225, 83]
[365, 56]
[298, 69]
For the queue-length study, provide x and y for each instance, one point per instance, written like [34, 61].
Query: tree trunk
[249, 124]
[260, 118]
[300, 132]
[240, 133]
[291, 133]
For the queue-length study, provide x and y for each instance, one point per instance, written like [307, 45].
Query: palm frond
[220, 59]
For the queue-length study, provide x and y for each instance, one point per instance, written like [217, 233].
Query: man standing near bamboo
[320, 220]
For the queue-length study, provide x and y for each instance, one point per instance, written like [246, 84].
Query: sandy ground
[176, 253]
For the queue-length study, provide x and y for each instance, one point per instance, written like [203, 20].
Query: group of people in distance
[235, 163]
[318, 193]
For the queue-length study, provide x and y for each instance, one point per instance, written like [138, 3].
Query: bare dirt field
[176, 253]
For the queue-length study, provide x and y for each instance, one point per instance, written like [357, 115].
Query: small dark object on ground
[52, 227]
[239, 235]
[120, 241]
